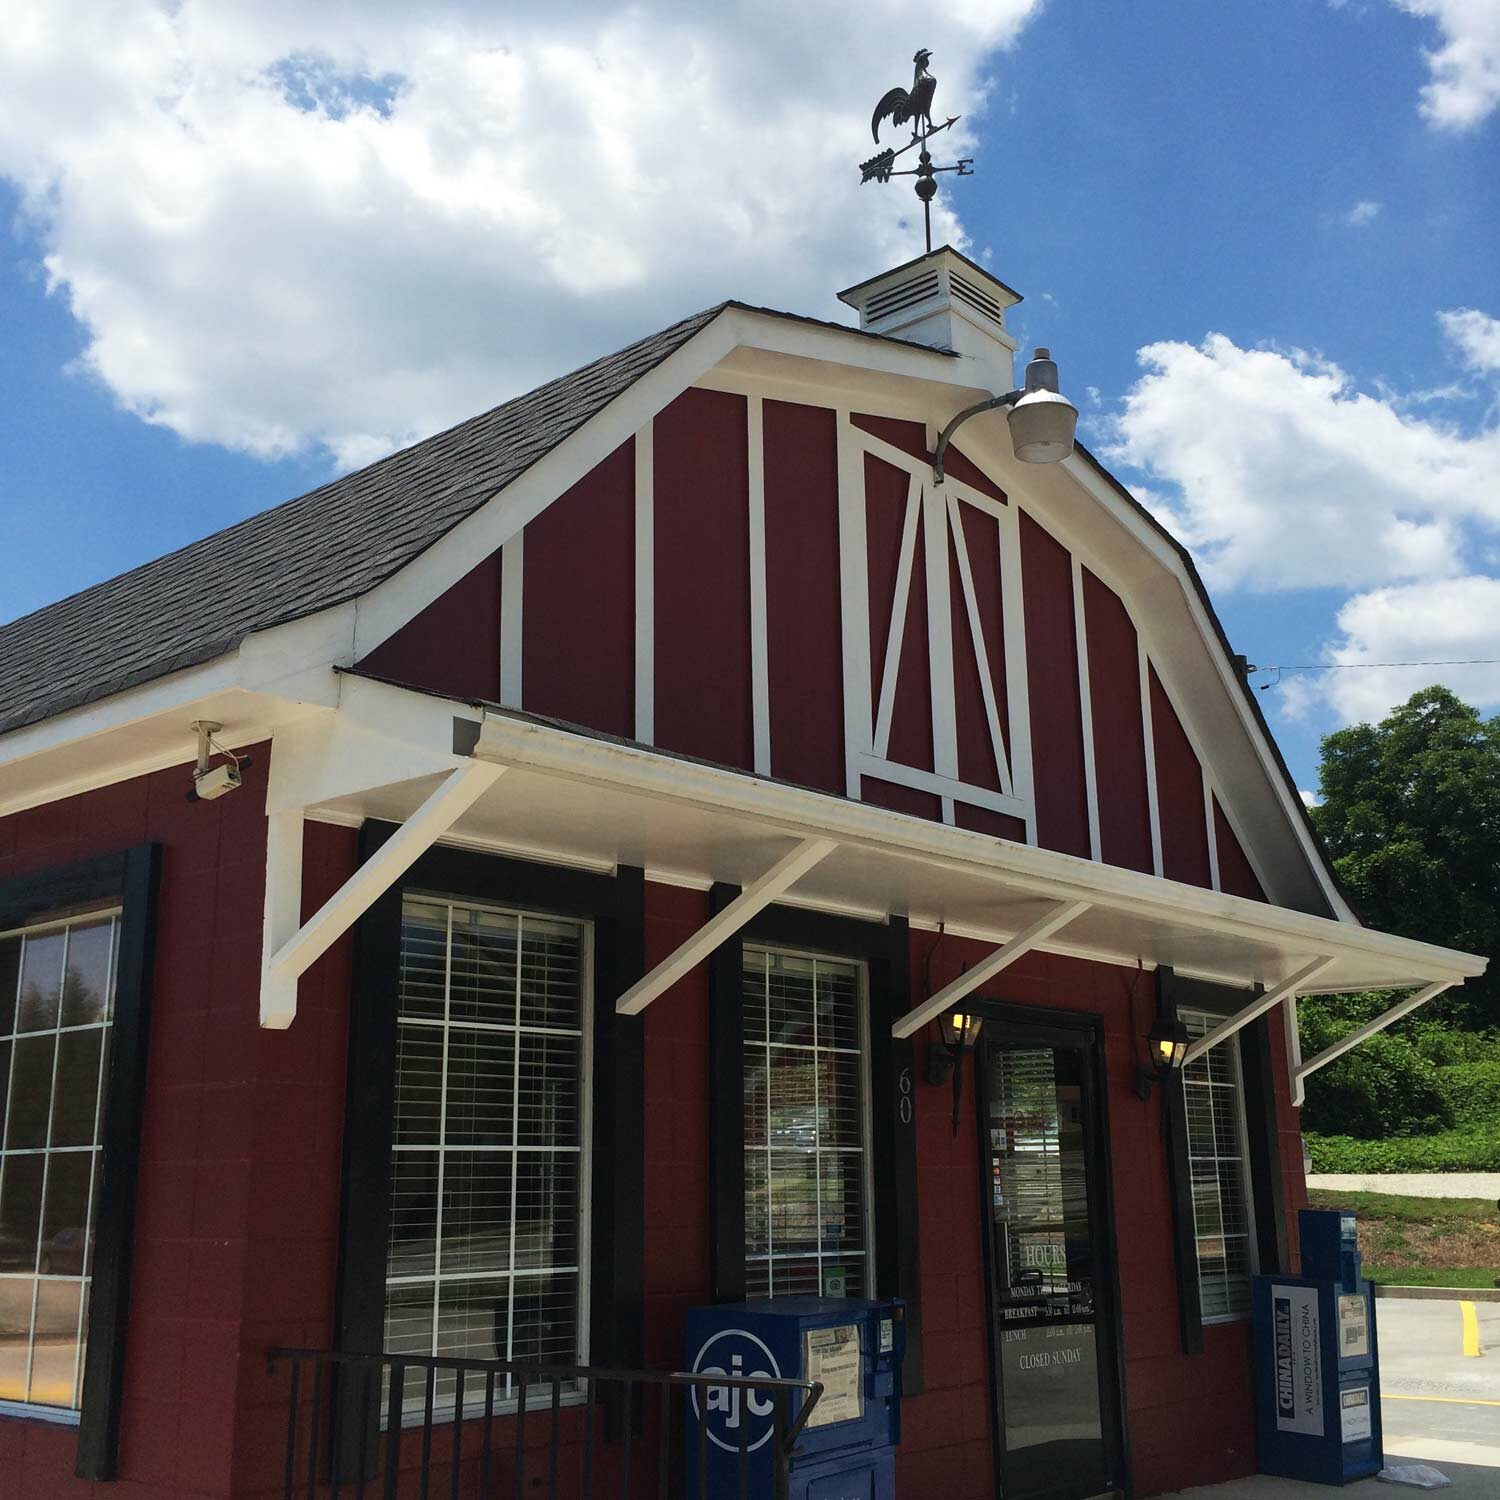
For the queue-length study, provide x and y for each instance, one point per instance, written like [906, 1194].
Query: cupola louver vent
[946, 301]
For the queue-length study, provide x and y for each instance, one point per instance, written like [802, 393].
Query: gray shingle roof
[311, 553]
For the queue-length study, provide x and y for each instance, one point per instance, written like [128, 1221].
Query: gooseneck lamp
[1042, 421]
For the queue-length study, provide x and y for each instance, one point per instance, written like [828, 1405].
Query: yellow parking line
[1471, 1328]
[1445, 1400]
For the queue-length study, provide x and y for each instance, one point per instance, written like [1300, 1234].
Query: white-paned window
[807, 1159]
[56, 997]
[1223, 1220]
[488, 1237]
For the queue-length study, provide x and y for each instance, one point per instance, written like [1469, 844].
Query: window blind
[1222, 1219]
[805, 1126]
[490, 1138]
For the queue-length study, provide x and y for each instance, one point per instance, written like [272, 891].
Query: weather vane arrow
[915, 104]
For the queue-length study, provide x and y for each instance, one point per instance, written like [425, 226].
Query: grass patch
[1483, 1276]
[1406, 1241]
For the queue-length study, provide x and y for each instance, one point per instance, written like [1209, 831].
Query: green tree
[1411, 817]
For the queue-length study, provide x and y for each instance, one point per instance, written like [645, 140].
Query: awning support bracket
[1363, 1033]
[289, 950]
[1006, 954]
[719, 928]
[1286, 990]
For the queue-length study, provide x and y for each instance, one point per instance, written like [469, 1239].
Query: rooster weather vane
[913, 104]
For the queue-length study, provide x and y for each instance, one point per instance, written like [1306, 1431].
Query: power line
[1353, 666]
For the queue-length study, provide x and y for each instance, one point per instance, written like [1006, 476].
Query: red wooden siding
[909, 437]
[578, 627]
[1119, 737]
[1235, 874]
[804, 650]
[702, 579]
[1062, 810]
[452, 646]
[886, 490]
[1179, 794]
[580, 636]
[976, 755]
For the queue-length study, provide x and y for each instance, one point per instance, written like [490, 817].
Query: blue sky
[244, 246]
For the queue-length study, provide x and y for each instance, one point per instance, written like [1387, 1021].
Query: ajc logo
[742, 1355]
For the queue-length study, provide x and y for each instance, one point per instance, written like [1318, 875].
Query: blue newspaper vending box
[1317, 1365]
[847, 1450]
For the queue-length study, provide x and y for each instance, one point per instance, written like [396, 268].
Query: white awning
[578, 798]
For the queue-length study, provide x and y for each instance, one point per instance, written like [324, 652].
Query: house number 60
[905, 1104]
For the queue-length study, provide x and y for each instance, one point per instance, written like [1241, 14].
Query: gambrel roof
[341, 540]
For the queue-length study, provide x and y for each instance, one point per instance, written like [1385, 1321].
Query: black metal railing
[389, 1427]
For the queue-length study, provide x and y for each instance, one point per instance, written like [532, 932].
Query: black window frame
[884, 948]
[1267, 1189]
[615, 906]
[129, 879]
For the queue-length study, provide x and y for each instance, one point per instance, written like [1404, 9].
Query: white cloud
[1309, 799]
[1282, 475]
[1450, 620]
[1464, 82]
[1477, 336]
[284, 225]
[1366, 211]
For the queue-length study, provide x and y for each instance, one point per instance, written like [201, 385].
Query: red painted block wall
[237, 1210]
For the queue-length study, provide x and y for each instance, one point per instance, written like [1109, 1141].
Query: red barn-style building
[635, 780]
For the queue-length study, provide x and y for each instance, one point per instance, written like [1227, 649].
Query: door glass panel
[1042, 1269]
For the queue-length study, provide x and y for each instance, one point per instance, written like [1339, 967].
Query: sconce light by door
[957, 1035]
[1166, 1045]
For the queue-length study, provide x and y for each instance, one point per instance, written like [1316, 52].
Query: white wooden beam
[292, 957]
[753, 899]
[1293, 1047]
[1022, 943]
[283, 910]
[1257, 1007]
[1363, 1033]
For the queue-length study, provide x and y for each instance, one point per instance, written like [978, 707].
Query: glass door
[1056, 1384]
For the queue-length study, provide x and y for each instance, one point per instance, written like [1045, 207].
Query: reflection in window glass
[806, 1163]
[486, 1230]
[1216, 1160]
[56, 995]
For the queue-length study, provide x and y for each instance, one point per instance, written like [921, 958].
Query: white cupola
[943, 299]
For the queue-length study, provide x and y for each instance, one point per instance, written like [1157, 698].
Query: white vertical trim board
[1017, 673]
[939, 633]
[512, 612]
[1085, 706]
[1149, 736]
[760, 691]
[645, 585]
[854, 600]
[1208, 823]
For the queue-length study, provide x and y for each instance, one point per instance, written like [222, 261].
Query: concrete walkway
[1413, 1184]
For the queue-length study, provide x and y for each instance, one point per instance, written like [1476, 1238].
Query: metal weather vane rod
[914, 104]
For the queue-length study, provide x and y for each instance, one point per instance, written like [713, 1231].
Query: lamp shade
[1042, 424]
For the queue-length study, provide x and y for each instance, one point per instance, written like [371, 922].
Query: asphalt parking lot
[1440, 1403]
